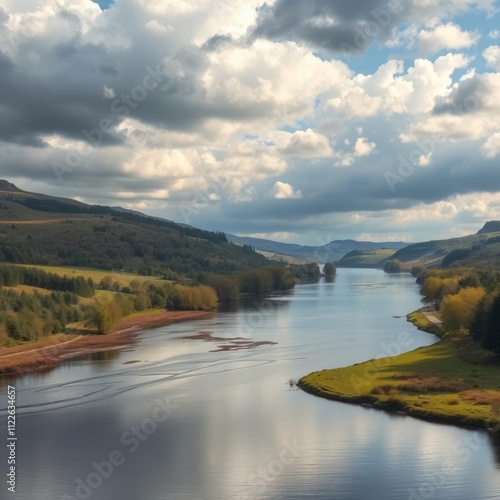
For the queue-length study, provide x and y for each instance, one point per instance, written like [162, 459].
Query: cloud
[308, 144]
[492, 56]
[445, 36]
[349, 28]
[363, 148]
[284, 191]
[244, 106]
[491, 147]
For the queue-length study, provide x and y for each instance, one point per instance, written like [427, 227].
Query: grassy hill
[480, 250]
[366, 258]
[46, 230]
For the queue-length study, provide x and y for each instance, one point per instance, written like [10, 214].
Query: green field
[97, 275]
[366, 258]
[432, 383]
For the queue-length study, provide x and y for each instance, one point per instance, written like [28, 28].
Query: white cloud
[492, 56]
[445, 36]
[284, 191]
[491, 147]
[424, 160]
[108, 93]
[390, 91]
[475, 118]
[308, 144]
[363, 148]
[494, 34]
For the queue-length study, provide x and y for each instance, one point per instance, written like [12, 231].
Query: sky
[294, 120]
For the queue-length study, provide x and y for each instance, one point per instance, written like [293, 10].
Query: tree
[416, 270]
[459, 310]
[106, 282]
[135, 284]
[434, 289]
[393, 266]
[486, 326]
[330, 270]
[226, 288]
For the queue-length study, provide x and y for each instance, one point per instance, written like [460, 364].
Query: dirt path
[3, 356]
[433, 317]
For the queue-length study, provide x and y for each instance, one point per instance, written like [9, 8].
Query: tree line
[468, 301]
[26, 316]
[11, 275]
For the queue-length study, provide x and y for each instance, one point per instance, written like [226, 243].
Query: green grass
[432, 383]
[422, 323]
[123, 278]
[366, 258]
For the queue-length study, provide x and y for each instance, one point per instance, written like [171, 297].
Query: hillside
[492, 226]
[332, 251]
[366, 258]
[481, 249]
[41, 229]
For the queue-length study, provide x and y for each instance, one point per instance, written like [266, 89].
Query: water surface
[188, 423]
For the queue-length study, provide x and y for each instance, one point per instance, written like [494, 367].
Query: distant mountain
[332, 251]
[492, 226]
[8, 186]
[264, 245]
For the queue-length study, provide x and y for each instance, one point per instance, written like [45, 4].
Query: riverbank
[50, 351]
[436, 383]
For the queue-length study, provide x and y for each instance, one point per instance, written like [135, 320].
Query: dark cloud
[64, 94]
[346, 27]
[5, 63]
[4, 17]
[108, 70]
[216, 42]
[467, 97]
[365, 188]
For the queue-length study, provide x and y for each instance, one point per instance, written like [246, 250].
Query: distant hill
[42, 229]
[366, 258]
[7, 186]
[264, 245]
[492, 226]
[481, 249]
[332, 251]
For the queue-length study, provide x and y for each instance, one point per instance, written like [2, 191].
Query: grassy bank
[432, 383]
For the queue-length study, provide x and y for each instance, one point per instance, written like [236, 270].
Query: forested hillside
[39, 229]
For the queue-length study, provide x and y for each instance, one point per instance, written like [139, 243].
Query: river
[176, 418]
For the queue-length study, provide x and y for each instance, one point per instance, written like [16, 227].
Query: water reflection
[237, 429]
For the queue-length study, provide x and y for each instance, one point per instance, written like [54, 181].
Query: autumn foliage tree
[434, 289]
[459, 310]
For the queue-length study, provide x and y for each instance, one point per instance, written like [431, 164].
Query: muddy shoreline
[48, 352]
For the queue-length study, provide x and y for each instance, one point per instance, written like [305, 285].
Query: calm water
[182, 422]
